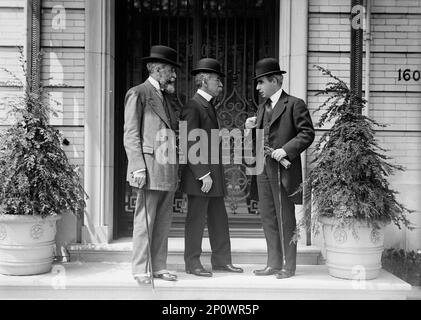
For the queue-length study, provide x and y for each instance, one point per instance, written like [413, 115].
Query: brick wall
[63, 43]
[396, 44]
[12, 36]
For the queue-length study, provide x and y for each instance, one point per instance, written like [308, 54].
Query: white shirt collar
[154, 83]
[275, 97]
[204, 94]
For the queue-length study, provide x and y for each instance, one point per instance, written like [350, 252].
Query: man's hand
[207, 184]
[278, 154]
[139, 178]
[250, 123]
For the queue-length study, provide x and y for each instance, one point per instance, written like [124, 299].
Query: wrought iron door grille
[237, 33]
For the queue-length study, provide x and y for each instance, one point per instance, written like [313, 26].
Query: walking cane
[149, 242]
[280, 221]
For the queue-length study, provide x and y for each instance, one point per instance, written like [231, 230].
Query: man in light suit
[203, 181]
[148, 113]
[288, 131]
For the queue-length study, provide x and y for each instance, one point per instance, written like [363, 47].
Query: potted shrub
[37, 183]
[350, 192]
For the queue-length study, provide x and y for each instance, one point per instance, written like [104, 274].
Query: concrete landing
[244, 251]
[106, 280]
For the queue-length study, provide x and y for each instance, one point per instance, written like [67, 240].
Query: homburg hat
[266, 67]
[208, 65]
[163, 54]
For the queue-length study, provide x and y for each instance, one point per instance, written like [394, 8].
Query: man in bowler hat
[149, 110]
[203, 181]
[288, 131]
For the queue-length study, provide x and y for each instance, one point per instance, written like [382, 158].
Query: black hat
[266, 67]
[208, 65]
[162, 54]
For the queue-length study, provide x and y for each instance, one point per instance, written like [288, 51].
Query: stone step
[243, 250]
[112, 280]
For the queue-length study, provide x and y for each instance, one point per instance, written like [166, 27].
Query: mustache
[169, 83]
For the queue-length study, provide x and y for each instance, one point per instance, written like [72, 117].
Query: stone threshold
[106, 280]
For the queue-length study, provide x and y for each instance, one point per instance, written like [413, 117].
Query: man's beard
[168, 87]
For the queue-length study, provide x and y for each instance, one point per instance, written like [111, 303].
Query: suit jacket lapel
[172, 111]
[260, 113]
[156, 104]
[208, 107]
[279, 107]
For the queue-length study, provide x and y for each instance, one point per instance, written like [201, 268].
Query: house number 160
[408, 75]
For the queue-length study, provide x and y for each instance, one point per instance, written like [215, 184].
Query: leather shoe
[166, 276]
[228, 268]
[268, 271]
[201, 272]
[141, 281]
[283, 274]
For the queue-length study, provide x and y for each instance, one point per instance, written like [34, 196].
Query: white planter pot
[350, 257]
[27, 244]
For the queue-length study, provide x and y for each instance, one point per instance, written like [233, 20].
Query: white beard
[169, 87]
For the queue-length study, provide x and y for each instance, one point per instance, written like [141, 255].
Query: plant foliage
[404, 264]
[349, 178]
[36, 177]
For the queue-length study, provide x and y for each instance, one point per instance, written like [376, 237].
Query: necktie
[212, 103]
[164, 104]
[268, 109]
[159, 93]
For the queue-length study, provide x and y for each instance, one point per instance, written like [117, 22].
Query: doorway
[237, 33]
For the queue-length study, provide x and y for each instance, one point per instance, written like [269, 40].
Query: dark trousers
[268, 189]
[213, 210]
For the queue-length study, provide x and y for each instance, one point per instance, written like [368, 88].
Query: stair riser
[178, 259]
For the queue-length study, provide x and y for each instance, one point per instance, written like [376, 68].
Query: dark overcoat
[200, 114]
[291, 128]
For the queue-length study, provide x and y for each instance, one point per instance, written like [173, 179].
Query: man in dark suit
[149, 111]
[288, 131]
[203, 179]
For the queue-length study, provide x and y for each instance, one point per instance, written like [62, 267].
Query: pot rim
[25, 218]
[349, 221]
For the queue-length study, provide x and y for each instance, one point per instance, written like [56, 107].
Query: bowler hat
[266, 67]
[208, 65]
[163, 54]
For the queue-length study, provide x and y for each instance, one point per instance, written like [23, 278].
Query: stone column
[99, 121]
[293, 59]
[293, 54]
